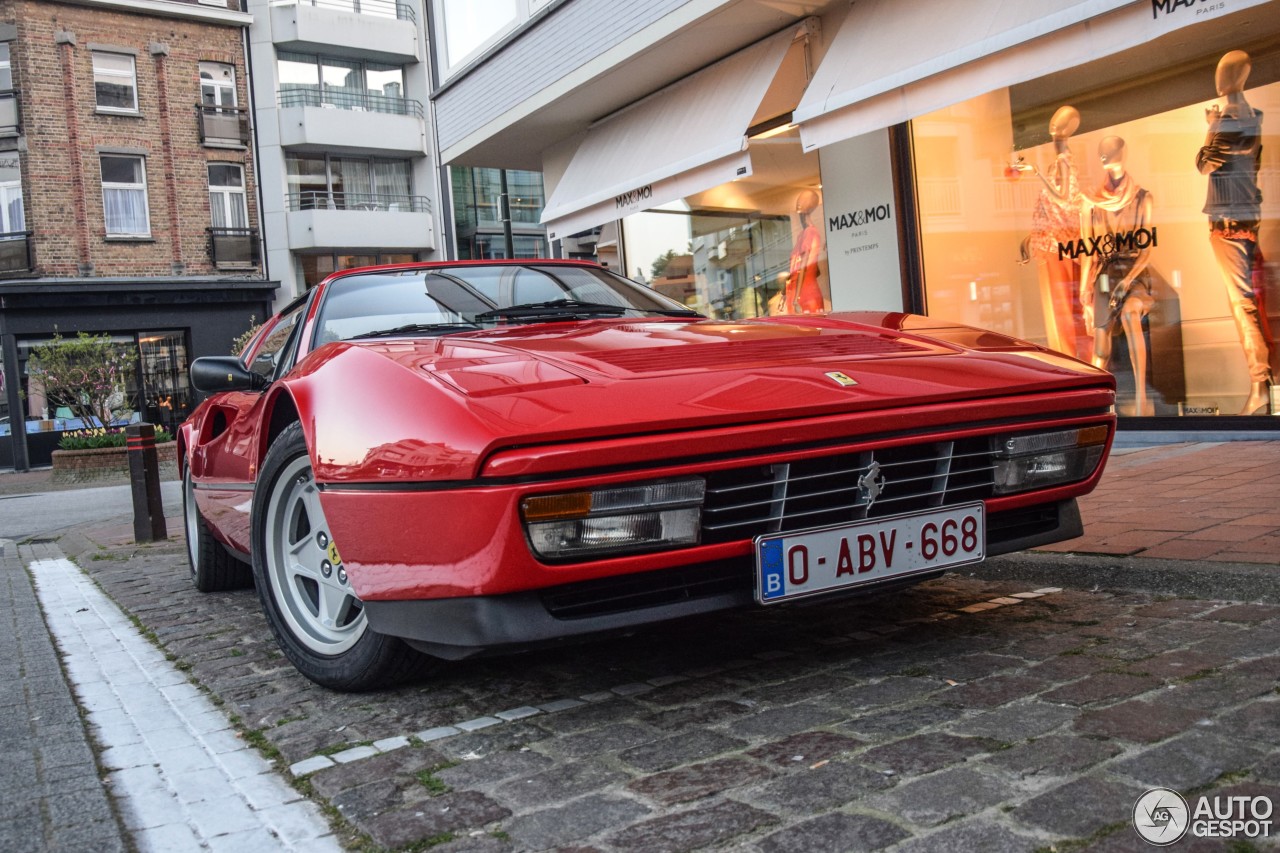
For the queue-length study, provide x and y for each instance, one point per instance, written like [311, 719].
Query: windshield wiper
[415, 328]
[571, 308]
[555, 308]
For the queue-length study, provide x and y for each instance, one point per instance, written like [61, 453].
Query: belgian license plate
[810, 562]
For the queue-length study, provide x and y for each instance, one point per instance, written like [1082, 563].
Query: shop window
[124, 196]
[491, 246]
[1085, 212]
[314, 268]
[164, 389]
[768, 257]
[115, 82]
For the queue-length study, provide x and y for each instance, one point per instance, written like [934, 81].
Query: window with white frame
[115, 82]
[227, 207]
[217, 85]
[13, 218]
[124, 195]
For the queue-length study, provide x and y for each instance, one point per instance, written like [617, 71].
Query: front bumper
[455, 628]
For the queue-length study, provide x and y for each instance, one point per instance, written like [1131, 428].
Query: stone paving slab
[51, 795]
[913, 721]
[182, 780]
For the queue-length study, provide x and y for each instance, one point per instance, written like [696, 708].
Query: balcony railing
[318, 200]
[10, 113]
[375, 8]
[233, 247]
[223, 125]
[15, 252]
[345, 100]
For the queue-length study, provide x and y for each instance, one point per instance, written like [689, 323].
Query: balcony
[223, 127]
[10, 114]
[15, 253]
[323, 220]
[234, 248]
[379, 30]
[321, 120]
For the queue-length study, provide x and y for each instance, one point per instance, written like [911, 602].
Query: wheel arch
[282, 410]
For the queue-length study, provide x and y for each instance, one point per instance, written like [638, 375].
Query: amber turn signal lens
[556, 507]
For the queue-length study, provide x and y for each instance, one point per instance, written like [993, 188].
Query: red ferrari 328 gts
[460, 458]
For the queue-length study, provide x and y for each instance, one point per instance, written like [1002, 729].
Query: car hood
[559, 382]
[753, 365]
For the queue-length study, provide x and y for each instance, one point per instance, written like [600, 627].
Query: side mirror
[224, 373]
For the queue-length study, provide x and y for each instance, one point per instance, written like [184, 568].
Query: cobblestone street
[963, 714]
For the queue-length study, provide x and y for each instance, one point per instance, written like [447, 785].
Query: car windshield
[451, 299]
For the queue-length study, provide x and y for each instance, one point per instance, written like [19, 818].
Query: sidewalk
[1203, 501]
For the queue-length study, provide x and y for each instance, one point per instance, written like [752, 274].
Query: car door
[224, 457]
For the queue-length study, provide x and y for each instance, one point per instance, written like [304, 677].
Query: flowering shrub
[96, 439]
[86, 374]
[238, 345]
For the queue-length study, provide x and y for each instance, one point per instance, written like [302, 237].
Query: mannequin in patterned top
[1115, 286]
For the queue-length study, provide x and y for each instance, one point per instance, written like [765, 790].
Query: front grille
[746, 502]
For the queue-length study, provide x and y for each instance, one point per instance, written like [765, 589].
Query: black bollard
[144, 481]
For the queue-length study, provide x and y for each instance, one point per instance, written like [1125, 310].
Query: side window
[267, 357]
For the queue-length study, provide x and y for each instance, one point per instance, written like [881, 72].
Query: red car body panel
[424, 447]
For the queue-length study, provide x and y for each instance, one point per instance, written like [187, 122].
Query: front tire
[213, 568]
[314, 613]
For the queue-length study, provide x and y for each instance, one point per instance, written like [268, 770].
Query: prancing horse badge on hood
[842, 379]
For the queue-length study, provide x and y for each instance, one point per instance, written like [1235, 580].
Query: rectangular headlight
[1039, 460]
[615, 520]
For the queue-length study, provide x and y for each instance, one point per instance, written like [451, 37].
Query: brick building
[128, 200]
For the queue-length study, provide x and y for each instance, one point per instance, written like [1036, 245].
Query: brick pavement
[1206, 501]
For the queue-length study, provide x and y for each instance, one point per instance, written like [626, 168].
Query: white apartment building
[340, 92]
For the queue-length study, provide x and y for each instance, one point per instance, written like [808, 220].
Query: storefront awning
[893, 61]
[681, 140]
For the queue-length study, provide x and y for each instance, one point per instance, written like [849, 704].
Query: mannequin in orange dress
[1057, 220]
[803, 294]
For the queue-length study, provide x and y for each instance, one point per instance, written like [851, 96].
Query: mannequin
[1230, 157]
[1114, 284]
[1057, 220]
[803, 294]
